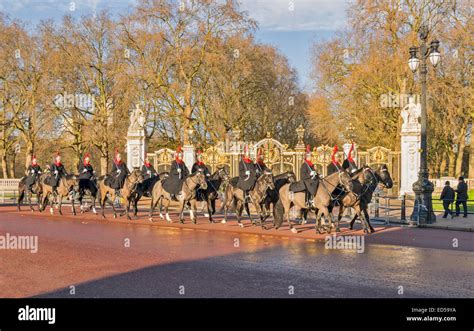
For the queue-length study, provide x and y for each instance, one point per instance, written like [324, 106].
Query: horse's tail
[278, 214]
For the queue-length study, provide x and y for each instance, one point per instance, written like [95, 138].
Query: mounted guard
[260, 165]
[247, 173]
[57, 171]
[32, 174]
[178, 173]
[349, 163]
[148, 170]
[116, 178]
[335, 165]
[309, 179]
[199, 165]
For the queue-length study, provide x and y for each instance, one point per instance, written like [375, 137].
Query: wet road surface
[107, 259]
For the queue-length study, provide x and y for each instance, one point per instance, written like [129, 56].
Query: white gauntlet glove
[247, 173]
[313, 173]
[55, 172]
[179, 170]
[32, 171]
[85, 170]
[119, 171]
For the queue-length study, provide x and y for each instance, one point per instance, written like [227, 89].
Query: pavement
[86, 256]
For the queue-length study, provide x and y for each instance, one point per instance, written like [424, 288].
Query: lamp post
[423, 188]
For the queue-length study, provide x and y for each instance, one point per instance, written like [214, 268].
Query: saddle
[234, 181]
[297, 186]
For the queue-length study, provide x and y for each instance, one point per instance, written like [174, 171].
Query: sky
[293, 26]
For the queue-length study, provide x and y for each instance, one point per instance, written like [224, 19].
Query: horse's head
[384, 176]
[267, 180]
[200, 179]
[135, 177]
[222, 174]
[346, 181]
[72, 182]
[291, 177]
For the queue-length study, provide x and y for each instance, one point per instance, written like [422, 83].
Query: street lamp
[423, 188]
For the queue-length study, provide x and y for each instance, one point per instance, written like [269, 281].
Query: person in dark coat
[32, 173]
[309, 176]
[86, 174]
[148, 170]
[116, 178]
[57, 172]
[349, 163]
[260, 165]
[247, 173]
[462, 197]
[447, 196]
[178, 173]
[199, 165]
[335, 165]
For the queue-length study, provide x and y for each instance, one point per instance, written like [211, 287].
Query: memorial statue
[410, 115]
[137, 119]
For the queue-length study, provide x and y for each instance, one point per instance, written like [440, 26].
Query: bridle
[342, 188]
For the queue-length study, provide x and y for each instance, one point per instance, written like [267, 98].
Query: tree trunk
[11, 165]
[29, 150]
[187, 113]
[471, 154]
[4, 164]
[104, 164]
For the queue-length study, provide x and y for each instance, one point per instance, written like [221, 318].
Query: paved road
[136, 259]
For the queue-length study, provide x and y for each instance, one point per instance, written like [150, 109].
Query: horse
[187, 195]
[338, 183]
[68, 185]
[24, 191]
[127, 191]
[145, 188]
[257, 195]
[370, 179]
[211, 193]
[92, 191]
[272, 194]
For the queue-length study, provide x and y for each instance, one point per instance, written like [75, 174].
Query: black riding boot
[309, 200]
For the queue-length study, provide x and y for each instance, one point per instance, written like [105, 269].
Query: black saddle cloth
[297, 186]
[234, 181]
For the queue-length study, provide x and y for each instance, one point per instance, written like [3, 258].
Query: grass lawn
[438, 204]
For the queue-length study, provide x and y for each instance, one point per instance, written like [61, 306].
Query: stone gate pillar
[136, 139]
[188, 156]
[410, 146]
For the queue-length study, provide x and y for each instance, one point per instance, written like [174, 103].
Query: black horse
[272, 194]
[144, 189]
[89, 187]
[211, 193]
[23, 191]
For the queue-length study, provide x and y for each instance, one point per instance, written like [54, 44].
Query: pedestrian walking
[462, 197]
[447, 196]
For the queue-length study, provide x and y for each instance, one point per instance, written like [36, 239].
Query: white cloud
[307, 15]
